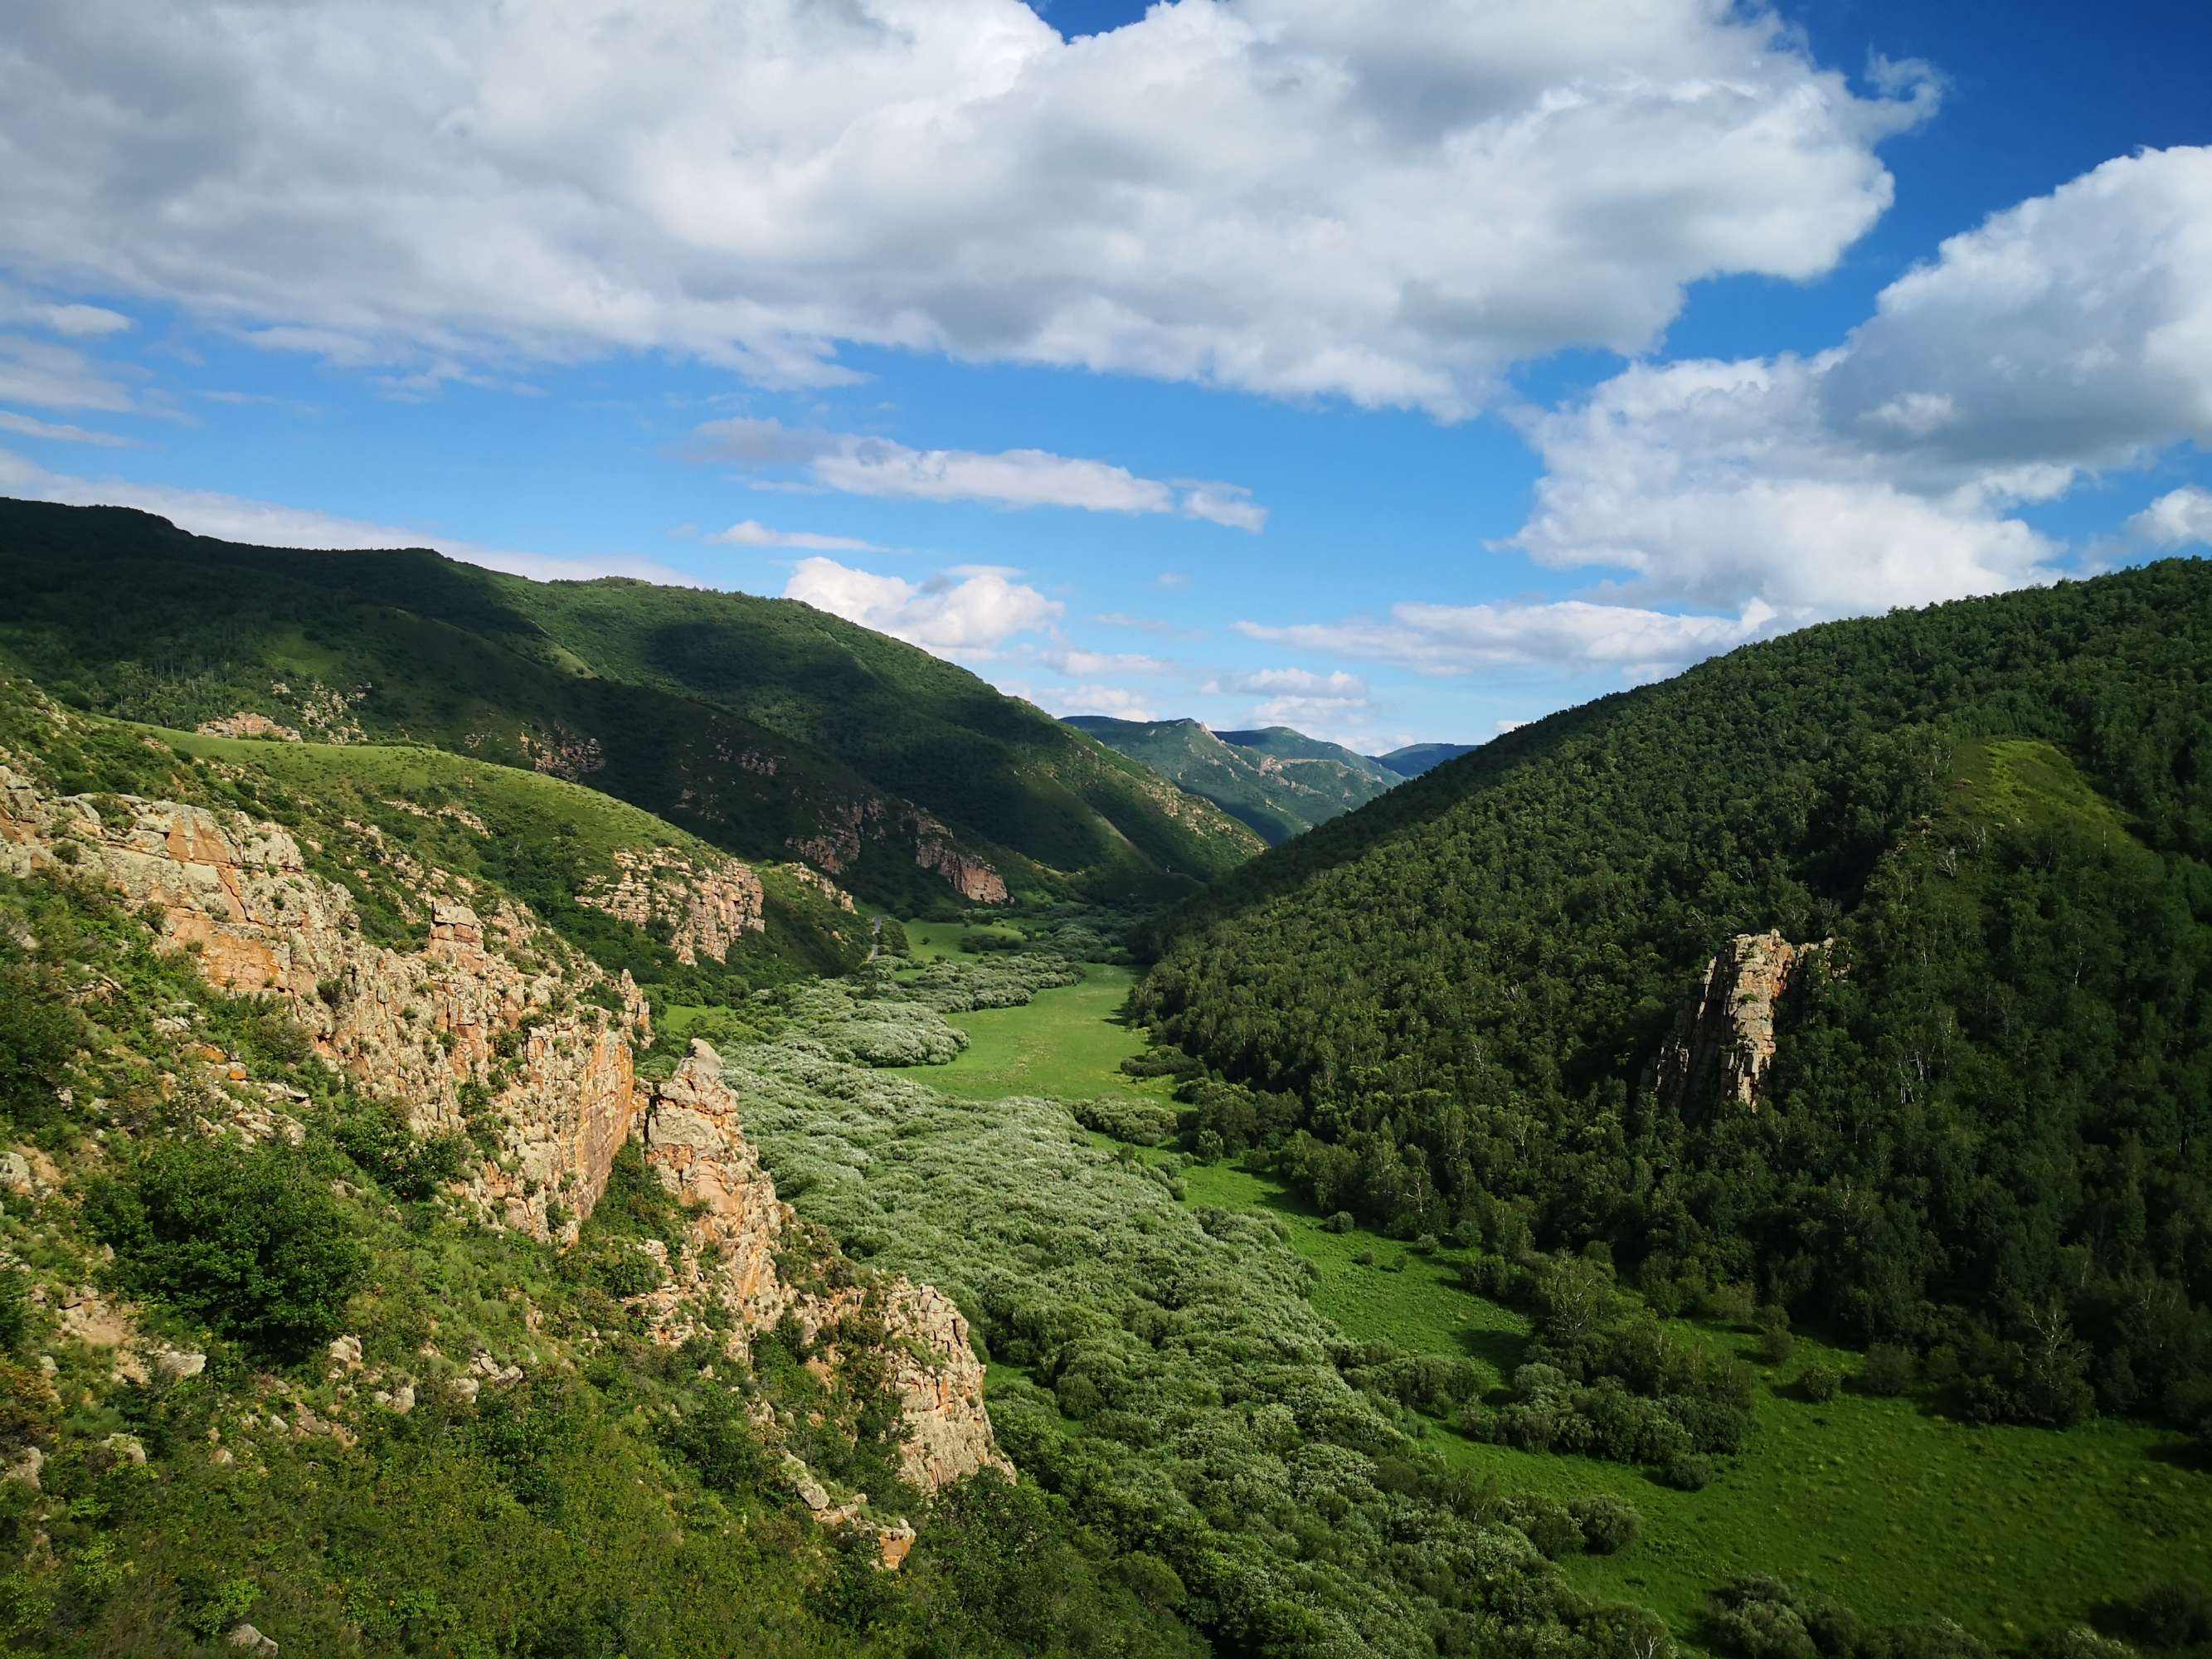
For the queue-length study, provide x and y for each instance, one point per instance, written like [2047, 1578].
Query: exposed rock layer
[1724, 1041]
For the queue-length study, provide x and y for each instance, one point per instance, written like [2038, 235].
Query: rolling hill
[1870, 969]
[767, 728]
[1279, 781]
[1416, 758]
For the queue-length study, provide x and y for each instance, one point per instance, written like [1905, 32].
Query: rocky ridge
[537, 1061]
[1723, 1040]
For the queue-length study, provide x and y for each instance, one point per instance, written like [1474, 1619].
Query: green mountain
[1870, 969]
[766, 727]
[1279, 781]
[1416, 758]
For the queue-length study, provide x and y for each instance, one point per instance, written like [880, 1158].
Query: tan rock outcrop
[973, 879]
[236, 893]
[707, 906]
[245, 723]
[1724, 1041]
[694, 1141]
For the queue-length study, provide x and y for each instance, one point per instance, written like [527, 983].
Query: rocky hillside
[370, 1283]
[1279, 781]
[770, 730]
[1867, 970]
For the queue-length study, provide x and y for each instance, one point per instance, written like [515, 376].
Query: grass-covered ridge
[765, 726]
[1985, 1133]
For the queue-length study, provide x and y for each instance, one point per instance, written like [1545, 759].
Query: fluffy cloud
[268, 524]
[58, 432]
[753, 533]
[71, 320]
[1118, 702]
[1462, 639]
[1385, 203]
[2181, 518]
[1301, 682]
[1075, 662]
[969, 611]
[858, 465]
[51, 376]
[2070, 334]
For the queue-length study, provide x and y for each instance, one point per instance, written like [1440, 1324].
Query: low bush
[248, 1239]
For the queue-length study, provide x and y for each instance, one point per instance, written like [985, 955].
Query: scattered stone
[894, 1543]
[345, 1351]
[26, 1467]
[400, 1399]
[126, 1446]
[179, 1362]
[464, 1390]
[246, 1636]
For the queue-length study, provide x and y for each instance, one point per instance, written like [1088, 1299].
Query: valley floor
[1884, 1505]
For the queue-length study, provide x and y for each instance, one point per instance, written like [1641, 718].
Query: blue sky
[1396, 372]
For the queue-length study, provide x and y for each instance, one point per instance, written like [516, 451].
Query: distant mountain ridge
[769, 729]
[1278, 781]
[1416, 758]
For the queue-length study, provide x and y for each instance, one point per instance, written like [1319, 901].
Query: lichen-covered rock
[236, 893]
[245, 723]
[707, 906]
[1724, 1041]
[973, 879]
[694, 1141]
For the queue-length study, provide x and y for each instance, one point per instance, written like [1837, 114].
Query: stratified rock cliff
[497, 1028]
[427, 1029]
[1723, 1040]
[694, 1141]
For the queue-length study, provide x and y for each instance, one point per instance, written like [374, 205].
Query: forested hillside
[1279, 781]
[767, 727]
[1984, 1134]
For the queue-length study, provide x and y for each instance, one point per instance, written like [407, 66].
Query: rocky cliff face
[847, 826]
[695, 1143]
[536, 1059]
[706, 909]
[1723, 1040]
[419, 1027]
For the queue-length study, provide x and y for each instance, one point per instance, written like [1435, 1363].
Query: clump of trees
[247, 1239]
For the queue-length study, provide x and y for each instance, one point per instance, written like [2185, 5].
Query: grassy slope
[1895, 1510]
[122, 612]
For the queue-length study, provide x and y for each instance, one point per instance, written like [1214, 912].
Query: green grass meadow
[1898, 1511]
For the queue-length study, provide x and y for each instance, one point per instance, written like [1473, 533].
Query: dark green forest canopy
[759, 724]
[1989, 1124]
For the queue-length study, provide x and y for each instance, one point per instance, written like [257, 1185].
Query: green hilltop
[769, 729]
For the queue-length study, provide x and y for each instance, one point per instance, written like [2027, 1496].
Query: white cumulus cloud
[969, 610]
[1385, 202]
[753, 533]
[858, 465]
[2070, 335]
[2181, 518]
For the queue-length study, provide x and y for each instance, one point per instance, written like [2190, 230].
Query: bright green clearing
[1897, 1511]
[1069, 1043]
[932, 940]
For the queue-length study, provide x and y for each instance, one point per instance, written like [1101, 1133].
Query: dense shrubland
[1985, 1140]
